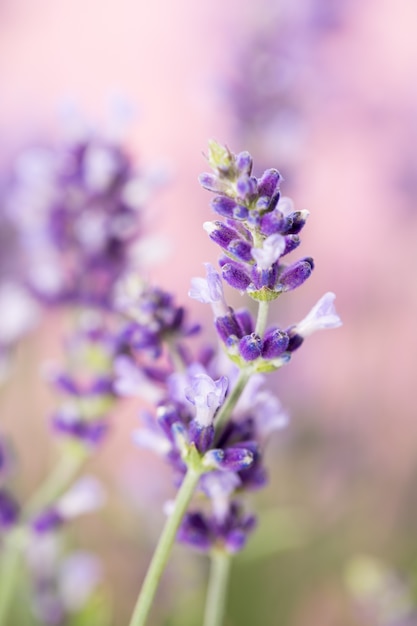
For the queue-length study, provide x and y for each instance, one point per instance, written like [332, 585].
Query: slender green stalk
[163, 549]
[217, 588]
[262, 317]
[231, 400]
[9, 573]
[55, 484]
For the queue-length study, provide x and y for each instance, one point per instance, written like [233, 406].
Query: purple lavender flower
[259, 228]
[61, 584]
[86, 495]
[76, 212]
[207, 396]
[205, 532]
[153, 317]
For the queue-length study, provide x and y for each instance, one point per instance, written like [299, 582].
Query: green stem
[262, 317]
[9, 573]
[54, 485]
[163, 549]
[217, 588]
[231, 400]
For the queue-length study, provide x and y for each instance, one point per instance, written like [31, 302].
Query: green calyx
[265, 294]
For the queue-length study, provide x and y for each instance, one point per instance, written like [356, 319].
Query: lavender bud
[291, 243]
[268, 183]
[246, 187]
[244, 163]
[212, 183]
[250, 347]
[235, 540]
[275, 343]
[49, 520]
[194, 530]
[245, 322]
[227, 326]
[298, 220]
[230, 459]
[240, 249]
[294, 342]
[235, 276]
[294, 275]
[201, 436]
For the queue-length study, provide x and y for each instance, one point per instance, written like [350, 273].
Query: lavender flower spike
[322, 315]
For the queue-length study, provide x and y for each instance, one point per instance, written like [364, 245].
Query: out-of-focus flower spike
[85, 496]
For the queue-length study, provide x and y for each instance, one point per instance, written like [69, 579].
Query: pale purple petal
[272, 248]
[322, 315]
[207, 396]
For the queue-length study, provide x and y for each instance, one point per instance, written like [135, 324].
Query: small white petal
[322, 315]
[271, 250]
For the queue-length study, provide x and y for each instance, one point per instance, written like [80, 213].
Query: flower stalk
[220, 562]
[163, 549]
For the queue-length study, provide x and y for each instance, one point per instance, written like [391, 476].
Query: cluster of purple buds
[76, 209]
[259, 227]
[236, 329]
[88, 385]
[183, 431]
[153, 319]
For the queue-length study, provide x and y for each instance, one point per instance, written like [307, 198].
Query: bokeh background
[326, 92]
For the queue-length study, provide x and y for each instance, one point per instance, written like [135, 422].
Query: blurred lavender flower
[76, 207]
[61, 584]
[88, 385]
[275, 71]
[85, 496]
